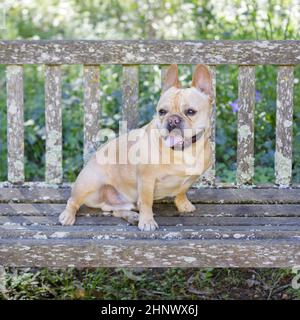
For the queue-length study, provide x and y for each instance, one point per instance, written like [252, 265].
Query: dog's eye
[190, 112]
[162, 112]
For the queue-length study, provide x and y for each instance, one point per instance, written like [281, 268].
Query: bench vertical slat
[209, 176]
[130, 96]
[92, 110]
[245, 146]
[15, 123]
[284, 125]
[53, 117]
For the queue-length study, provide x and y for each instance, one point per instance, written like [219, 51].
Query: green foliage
[160, 284]
[128, 19]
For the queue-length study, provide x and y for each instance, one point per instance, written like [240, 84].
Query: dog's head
[183, 113]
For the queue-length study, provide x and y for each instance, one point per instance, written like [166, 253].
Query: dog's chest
[170, 185]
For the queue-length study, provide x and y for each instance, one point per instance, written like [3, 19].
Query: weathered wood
[246, 103]
[166, 209]
[144, 253]
[209, 177]
[285, 52]
[204, 195]
[20, 232]
[15, 124]
[130, 96]
[161, 220]
[34, 195]
[243, 227]
[53, 117]
[92, 110]
[284, 126]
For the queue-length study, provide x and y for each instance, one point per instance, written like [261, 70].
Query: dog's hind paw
[185, 206]
[131, 217]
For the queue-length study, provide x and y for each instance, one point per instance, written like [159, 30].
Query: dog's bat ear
[202, 80]
[171, 78]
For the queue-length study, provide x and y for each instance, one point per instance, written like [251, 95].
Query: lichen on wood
[245, 146]
[15, 123]
[92, 110]
[243, 52]
[53, 122]
[209, 177]
[130, 96]
[284, 125]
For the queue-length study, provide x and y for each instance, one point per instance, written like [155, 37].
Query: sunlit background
[176, 19]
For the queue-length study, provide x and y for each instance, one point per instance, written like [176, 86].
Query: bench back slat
[53, 123]
[285, 52]
[284, 125]
[245, 142]
[15, 123]
[130, 54]
[92, 109]
[130, 96]
[209, 177]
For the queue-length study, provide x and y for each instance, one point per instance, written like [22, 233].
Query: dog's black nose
[174, 121]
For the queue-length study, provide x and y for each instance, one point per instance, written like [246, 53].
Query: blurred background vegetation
[149, 19]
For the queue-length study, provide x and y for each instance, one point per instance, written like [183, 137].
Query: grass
[160, 284]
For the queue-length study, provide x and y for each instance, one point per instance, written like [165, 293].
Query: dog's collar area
[189, 141]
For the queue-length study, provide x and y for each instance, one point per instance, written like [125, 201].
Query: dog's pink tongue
[171, 141]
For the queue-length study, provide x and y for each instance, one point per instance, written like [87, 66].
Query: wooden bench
[238, 226]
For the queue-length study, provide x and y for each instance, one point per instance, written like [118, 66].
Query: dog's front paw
[147, 224]
[185, 206]
[67, 218]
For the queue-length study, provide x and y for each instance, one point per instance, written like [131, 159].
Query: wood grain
[286, 52]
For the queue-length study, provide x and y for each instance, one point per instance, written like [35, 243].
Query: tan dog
[162, 159]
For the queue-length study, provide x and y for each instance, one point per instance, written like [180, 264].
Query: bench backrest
[130, 54]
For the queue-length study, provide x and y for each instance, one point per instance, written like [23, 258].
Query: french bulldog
[162, 159]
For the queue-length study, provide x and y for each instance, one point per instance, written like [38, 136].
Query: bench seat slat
[161, 220]
[15, 123]
[167, 209]
[143, 253]
[169, 233]
[206, 195]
